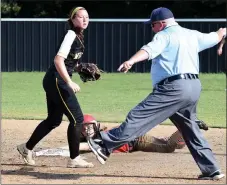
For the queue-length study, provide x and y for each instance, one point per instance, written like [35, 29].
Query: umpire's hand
[124, 67]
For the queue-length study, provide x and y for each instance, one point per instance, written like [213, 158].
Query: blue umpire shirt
[174, 50]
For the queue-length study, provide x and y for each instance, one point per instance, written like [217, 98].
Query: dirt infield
[132, 168]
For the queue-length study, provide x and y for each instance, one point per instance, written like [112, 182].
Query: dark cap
[159, 14]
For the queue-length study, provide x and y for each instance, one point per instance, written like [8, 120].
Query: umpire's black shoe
[215, 176]
[99, 150]
[202, 125]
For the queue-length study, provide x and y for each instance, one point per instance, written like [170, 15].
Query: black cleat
[202, 125]
[100, 152]
[215, 176]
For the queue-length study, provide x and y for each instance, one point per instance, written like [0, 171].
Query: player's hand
[75, 87]
[124, 67]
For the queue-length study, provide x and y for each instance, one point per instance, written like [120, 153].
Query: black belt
[180, 76]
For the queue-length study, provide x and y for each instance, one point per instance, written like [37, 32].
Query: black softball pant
[60, 100]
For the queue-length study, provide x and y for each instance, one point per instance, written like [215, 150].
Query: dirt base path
[133, 168]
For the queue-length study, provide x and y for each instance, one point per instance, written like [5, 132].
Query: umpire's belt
[180, 76]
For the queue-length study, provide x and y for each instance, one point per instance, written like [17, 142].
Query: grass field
[109, 99]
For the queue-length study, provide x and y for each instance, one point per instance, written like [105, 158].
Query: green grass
[109, 99]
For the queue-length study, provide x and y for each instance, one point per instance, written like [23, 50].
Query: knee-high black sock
[73, 134]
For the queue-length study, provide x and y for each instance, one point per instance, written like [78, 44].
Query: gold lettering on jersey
[78, 55]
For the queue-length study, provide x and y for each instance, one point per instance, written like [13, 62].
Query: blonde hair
[75, 10]
[77, 30]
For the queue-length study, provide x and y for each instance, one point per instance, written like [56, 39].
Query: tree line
[112, 9]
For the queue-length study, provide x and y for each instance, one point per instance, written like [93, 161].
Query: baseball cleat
[26, 154]
[215, 176]
[202, 125]
[79, 162]
[99, 151]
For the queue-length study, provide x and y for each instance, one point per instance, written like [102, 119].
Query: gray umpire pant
[176, 100]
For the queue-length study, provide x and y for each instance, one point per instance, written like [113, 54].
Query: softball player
[60, 93]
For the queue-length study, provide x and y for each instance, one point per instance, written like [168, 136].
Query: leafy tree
[114, 9]
[9, 9]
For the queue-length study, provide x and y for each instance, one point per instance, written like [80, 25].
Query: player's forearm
[141, 55]
[60, 66]
[223, 41]
[221, 45]
[219, 50]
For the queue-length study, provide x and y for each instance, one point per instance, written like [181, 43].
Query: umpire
[176, 91]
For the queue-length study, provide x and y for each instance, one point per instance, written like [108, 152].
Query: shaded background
[113, 9]
[32, 45]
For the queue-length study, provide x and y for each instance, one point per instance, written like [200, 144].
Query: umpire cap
[159, 14]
